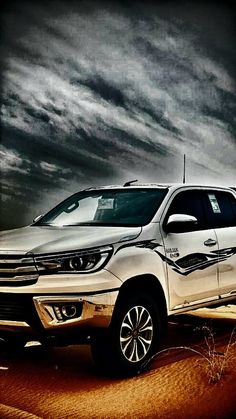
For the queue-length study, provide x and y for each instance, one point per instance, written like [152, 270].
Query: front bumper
[39, 313]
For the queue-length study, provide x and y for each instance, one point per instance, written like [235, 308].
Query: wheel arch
[151, 285]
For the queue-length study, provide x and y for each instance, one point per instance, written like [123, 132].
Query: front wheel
[13, 344]
[131, 339]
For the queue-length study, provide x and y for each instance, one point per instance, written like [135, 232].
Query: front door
[221, 208]
[190, 256]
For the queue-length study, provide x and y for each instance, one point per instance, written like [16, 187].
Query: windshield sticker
[107, 203]
[214, 203]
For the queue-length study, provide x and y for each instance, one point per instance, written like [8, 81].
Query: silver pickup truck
[108, 265]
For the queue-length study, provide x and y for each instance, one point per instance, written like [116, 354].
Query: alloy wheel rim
[136, 334]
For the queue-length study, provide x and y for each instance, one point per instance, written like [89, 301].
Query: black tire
[13, 344]
[132, 338]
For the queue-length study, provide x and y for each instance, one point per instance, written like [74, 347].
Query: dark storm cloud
[104, 89]
[97, 93]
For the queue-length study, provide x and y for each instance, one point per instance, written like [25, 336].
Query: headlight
[74, 262]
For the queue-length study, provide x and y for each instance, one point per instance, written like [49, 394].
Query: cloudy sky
[101, 92]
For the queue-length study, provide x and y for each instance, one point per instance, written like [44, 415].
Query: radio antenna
[184, 174]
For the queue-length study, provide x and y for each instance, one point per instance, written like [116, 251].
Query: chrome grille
[17, 270]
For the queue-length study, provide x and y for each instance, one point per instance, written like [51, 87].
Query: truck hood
[46, 239]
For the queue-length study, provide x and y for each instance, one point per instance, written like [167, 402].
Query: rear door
[191, 257]
[221, 208]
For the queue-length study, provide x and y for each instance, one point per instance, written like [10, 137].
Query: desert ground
[63, 382]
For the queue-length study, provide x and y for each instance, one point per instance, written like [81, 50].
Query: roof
[158, 185]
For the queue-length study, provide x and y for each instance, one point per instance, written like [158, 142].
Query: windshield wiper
[89, 224]
[79, 224]
[101, 225]
[41, 225]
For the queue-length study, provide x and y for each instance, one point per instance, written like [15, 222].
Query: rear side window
[221, 209]
[190, 203]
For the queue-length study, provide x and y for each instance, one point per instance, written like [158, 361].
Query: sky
[99, 93]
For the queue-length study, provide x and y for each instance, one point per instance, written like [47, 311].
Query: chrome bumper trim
[13, 326]
[19, 278]
[97, 310]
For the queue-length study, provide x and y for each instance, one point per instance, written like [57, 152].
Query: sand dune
[8, 412]
[224, 312]
[63, 383]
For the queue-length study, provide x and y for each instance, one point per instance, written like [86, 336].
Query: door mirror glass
[181, 223]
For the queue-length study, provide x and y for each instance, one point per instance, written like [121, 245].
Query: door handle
[210, 242]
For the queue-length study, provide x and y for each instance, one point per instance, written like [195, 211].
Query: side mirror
[180, 223]
[37, 218]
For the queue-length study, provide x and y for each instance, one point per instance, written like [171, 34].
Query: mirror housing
[180, 223]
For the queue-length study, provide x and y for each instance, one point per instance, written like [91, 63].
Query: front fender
[133, 261]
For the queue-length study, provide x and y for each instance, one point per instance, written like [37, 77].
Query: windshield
[132, 207]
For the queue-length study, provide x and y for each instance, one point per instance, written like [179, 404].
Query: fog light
[69, 311]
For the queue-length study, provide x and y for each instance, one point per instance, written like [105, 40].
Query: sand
[63, 383]
[225, 312]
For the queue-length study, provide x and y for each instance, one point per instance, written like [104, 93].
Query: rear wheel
[131, 339]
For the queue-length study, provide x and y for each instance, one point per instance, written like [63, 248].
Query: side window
[232, 200]
[190, 203]
[221, 209]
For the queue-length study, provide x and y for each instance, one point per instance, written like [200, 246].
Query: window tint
[118, 207]
[190, 203]
[232, 200]
[221, 209]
